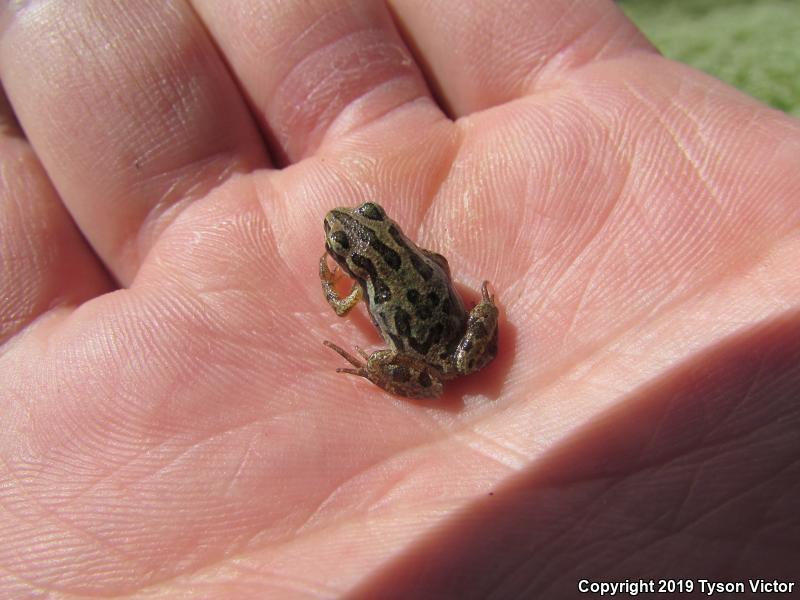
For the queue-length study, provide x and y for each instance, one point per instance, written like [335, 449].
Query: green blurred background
[752, 44]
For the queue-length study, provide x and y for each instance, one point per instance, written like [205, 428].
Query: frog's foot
[328, 278]
[360, 367]
[485, 296]
[479, 345]
[396, 373]
[325, 272]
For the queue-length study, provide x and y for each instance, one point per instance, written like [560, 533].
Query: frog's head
[349, 233]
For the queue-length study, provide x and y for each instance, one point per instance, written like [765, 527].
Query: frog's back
[425, 317]
[412, 302]
[407, 289]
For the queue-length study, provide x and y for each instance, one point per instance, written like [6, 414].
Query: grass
[751, 44]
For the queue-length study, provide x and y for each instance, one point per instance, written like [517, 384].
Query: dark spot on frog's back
[424, 380]
[389, 256]
[452, 328]
[400, 374]
[420, 266]
[424, 312]
[447, 306]
[434, 336]
[412, 296]
[397, 237]
[382, 293]
[402, 322]
[365, 264]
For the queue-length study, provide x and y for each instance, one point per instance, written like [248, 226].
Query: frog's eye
[371, 211]
[341, 240]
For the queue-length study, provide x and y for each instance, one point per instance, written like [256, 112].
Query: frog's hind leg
[479, 345]
[404, 375]
[399, 374]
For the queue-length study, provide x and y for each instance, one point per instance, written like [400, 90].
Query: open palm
[171, 420]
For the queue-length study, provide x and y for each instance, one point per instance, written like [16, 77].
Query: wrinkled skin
[172, 424]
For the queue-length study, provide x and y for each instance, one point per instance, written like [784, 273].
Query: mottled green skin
[412, 302]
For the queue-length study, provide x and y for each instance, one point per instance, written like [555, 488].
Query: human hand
[173, 424]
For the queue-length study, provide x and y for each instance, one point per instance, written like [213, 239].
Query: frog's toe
[345, 355]
[360, 372]
[485, 295]
[363, 354]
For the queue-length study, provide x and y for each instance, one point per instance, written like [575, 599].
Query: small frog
[412, 302]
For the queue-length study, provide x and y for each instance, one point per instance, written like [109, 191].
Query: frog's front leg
[327, 277]
[479, 344]
[395, 372]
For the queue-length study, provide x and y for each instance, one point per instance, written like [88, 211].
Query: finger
[481, 54]
[44, 261]
[315, 70]
[131, 111]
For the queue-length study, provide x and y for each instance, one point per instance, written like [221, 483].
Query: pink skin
[186, 433]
